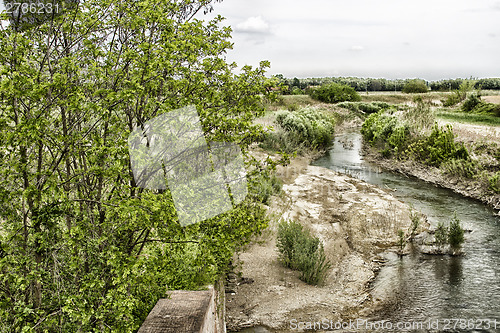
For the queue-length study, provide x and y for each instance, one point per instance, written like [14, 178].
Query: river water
[458, 294]
[425, 288]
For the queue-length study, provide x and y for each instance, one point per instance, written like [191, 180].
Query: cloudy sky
[430, 39]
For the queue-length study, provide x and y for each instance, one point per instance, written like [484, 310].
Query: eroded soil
[356, 222]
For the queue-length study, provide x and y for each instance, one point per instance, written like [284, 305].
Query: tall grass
[468, 118]
[301, 251]
[300, 131]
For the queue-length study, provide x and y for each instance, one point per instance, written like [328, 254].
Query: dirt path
[470, 133]
[356, 222]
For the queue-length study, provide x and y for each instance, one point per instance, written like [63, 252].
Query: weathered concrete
[188, 312]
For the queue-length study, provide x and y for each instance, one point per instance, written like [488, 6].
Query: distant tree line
[298, 86]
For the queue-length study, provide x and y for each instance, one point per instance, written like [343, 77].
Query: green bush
[455, 233]
[460, 94]
[471, 102]
[460, 167]
[334, 93]
[264, 185]
[495, 182]
[306, 128]
[299, 250]
[441, 234]
[452, 99]
[415, 86]
[487, 108]
[369, 108]
[439, 146]
[385, 131]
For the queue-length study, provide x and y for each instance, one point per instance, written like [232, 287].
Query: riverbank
[471, 188]
[356, 222]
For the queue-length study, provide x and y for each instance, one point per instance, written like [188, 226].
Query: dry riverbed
[356, 222]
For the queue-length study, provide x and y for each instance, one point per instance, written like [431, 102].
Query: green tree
[335, 93]
[415, 86]
[455, 232]
[82, 247]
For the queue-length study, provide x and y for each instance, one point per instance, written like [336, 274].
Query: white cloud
[255, 24]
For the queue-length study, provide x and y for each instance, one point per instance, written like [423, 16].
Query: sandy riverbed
[356, 222]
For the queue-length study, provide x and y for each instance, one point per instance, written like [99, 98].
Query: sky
[429, 39]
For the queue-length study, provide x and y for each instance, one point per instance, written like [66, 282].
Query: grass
[299, 250]
[399, 97]
[468, 118]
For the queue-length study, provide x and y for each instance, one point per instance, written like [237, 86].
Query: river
[459, 294]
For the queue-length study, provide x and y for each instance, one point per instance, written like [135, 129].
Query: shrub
[315, 129]
[415, 221]
[460, 167]
[401, 240]
[495, 182]
[386, 131]
[415, 86]
[369, 108]
[460, 94]
[438, 146]
[299, 250]
[441, 234]
[421, 117]
[455, 233]
[471, 102]
[452, 99]
[487, 108]
[263, 185]
[335, 93]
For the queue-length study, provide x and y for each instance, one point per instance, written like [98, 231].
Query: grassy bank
[417, 145]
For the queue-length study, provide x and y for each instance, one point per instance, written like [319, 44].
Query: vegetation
[441, 234]
[264, 185]
[455, 233]
[300, 131]
[460, 94]
[82, 247]
[301, 251]
[472, 118]
[401, 240]
[335, 93]
[494, 182]
[474, 104]
[415, 221]
[394, 137]
[415, 86]
[438, 147]
[298, 86]
[452, 235]
[365, 107]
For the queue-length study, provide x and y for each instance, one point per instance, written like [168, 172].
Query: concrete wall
[200, 311]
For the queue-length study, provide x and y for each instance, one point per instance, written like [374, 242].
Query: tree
[82, 247]
[415, 86]
[335, 93]
[455, 232]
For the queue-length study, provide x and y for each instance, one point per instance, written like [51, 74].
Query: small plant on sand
[301, 251]
[415, 221]
[401, 240]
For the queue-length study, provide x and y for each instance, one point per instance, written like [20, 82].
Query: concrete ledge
[188, 312]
